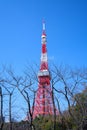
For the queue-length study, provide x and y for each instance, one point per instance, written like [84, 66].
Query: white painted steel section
[43, 26]
[43, 73]
[43, 40]
[44, 57]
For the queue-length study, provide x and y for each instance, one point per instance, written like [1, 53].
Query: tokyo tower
[43, 101]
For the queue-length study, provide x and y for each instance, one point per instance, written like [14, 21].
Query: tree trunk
[54, 124]
[10, 121]
[1, 108]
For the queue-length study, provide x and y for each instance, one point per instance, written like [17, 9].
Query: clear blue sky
[21, 27]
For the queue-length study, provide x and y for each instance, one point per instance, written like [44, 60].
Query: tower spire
[44, 28]
[43, 100]
[43, 25]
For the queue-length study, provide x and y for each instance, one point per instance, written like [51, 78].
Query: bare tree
[23, 84]
[25, 91]
[9, 93]
[9, 89]
[70, 81]
[1, 100]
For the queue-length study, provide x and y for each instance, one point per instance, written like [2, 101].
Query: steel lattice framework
[43, 101]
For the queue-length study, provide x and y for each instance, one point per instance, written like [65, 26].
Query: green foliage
[47, 123]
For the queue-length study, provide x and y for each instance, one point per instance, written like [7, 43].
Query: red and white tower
[43, 100]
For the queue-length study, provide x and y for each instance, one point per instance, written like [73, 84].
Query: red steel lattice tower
[43, 101]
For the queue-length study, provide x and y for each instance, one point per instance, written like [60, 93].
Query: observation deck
[43, 73]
